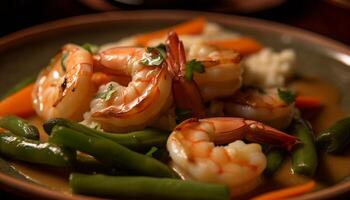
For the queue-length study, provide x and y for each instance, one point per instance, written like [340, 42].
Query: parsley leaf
[107, 94]
[182, 114]
[64, 60]
[287, 96]
[193, 66]
[151, 151]
[154, 56]
[92, 48]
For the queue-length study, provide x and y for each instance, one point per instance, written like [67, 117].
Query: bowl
[27, 51]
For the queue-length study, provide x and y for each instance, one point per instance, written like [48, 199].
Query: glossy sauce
[332, 168]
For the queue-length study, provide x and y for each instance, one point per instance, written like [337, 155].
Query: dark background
[324, 17]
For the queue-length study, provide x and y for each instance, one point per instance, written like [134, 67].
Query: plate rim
[48, 28]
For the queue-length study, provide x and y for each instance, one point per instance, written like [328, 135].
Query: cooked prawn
[64, 88]
[131, 107]
[261, 105]
[223, 71]
[192, 149]
[186, 92]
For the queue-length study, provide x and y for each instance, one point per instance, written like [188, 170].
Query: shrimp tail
[186, 92]
[261, 133]
[230, 129]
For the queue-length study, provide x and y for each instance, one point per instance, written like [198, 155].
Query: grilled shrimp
[223, 72]
[261, 105]
[64, 88]
[238, 165]
[131, 107]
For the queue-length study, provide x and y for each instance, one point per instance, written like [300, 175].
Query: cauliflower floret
[268, 68]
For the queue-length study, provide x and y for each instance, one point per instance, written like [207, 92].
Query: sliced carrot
[192, 27]
[287, 192]
[100, 78]
[20, 103]
[243, 45]
[302, 102]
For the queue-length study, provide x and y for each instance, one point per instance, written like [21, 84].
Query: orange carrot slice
[20, 103]
[193, 27]
[243, 45]
[307, 102]
[287, 192]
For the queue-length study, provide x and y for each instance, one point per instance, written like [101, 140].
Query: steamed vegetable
[336, 138]
[23, 149]
[19, 103]
[19, 127]
[137, 140]
[109, 152]
[303, 102]
[20, 85]
[287, 193]
[275, 159]
[193, 27]
[88, 164]
[304, 156]
[243, 45]
[146, 188]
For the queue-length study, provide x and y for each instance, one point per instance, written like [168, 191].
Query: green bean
[304, 157]
[336, 138]
[19, 86]
[23, 149]
[137, 140]
[88, 164]
[146, 188]
[109, 152]
[19, 127]
[275, 159]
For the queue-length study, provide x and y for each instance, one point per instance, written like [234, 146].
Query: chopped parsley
[151, 151]
[287, 96]
[154, 56]
[64, 60]
[182, 114]
[106, 95]
[193, 66]
[92, 48]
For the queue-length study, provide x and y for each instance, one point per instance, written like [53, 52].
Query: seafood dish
[193, 111]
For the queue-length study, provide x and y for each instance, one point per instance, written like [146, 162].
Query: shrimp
[238, 165]
[223, 71]
[64, 88]
[186, 92]
[261, 105]
[131, 107]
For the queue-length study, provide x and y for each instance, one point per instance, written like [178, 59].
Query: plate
[27, 51]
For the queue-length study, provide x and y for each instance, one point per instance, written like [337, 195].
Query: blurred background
[328, 17]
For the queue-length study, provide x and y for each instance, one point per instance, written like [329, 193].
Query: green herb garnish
[154, 56]
[182, 114]
[107, 94]
[151, 151]
[193, 66]
[64, 60]
[287, 96]
[92, 48]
